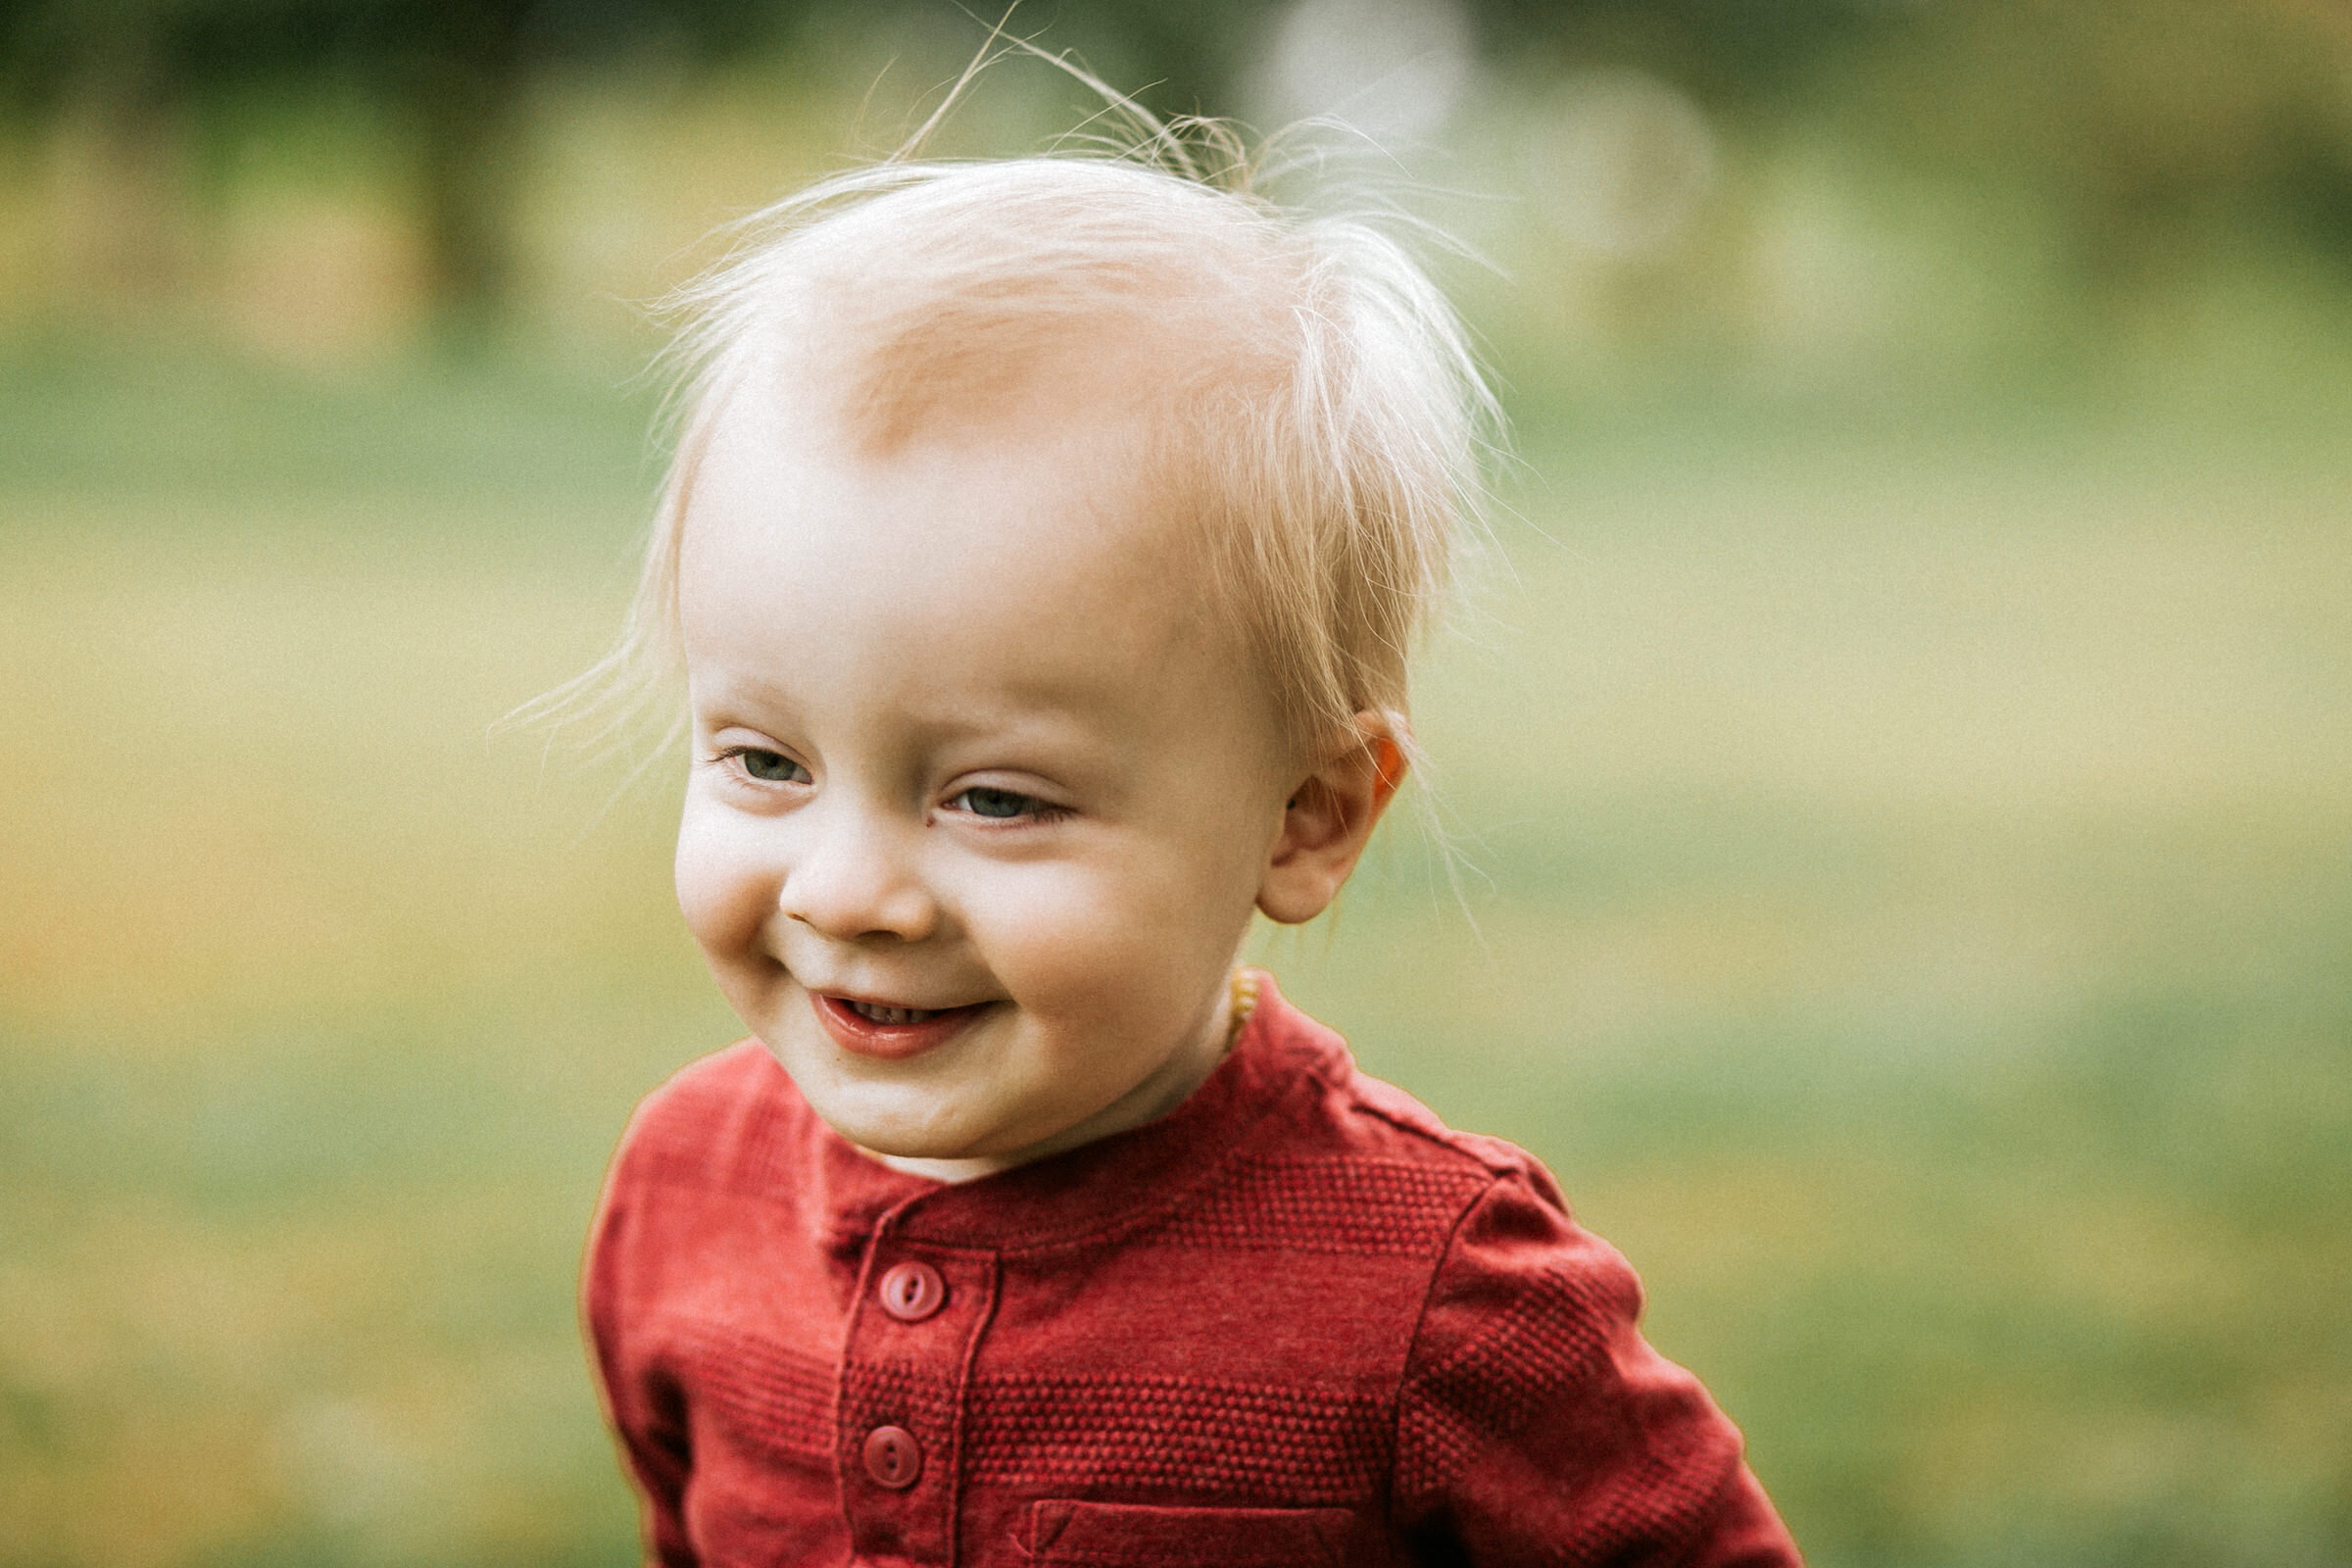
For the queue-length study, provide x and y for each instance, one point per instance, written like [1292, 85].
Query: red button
[893, 1457]
[912, 1291]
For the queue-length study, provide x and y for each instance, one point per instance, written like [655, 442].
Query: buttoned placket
[899, 1419]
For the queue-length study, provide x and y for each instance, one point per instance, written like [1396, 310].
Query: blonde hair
[1319, 402]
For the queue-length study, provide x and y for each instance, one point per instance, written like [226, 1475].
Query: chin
[902, 1145]
[901, 1137]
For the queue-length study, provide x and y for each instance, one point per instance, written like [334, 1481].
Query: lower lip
[853, 1031]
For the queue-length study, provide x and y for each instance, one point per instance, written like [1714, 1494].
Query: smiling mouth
[878, 1029]
[873, 1013]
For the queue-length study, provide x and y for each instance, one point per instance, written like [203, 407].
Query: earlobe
[1329, 819]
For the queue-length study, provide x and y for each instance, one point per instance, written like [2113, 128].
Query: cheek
[1135, 931]
[722, 891]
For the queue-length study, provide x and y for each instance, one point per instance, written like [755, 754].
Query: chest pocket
[1119, 1534]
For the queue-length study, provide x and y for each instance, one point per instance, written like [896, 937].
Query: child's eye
[769, 767]
[981, 801]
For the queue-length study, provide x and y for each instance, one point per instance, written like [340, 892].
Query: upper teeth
[878, 1014]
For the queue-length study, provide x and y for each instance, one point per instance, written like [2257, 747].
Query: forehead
[1022, 555]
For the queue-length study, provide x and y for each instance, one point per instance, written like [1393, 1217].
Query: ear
[1330, 815]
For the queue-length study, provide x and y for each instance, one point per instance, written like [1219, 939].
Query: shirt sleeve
[1535, 1426]
[642, 1401]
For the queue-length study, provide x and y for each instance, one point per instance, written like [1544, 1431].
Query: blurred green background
[1896, 756]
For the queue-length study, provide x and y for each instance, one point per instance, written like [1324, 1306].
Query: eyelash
[1038, 812]
[736, 754]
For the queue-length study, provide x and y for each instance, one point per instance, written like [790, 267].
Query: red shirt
[1297, 1320]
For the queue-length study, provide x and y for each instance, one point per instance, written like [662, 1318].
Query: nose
[855, 878]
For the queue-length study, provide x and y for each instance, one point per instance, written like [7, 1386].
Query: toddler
[1044, 545]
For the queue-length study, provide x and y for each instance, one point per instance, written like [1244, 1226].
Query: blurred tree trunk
[118, 151]
[465, 80]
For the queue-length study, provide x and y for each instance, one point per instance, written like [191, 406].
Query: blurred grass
[1909, 899]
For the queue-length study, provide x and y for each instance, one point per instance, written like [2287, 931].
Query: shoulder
[707, 1155]
[1353, 1110]
[1415, 1132]
[1347, 1163]
[719, 1121]
[1519, 1294]
[1514, 1256]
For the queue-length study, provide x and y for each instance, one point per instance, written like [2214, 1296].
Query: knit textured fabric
[1295, 1321]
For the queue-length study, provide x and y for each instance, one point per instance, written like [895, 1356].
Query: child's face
[981, 798]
